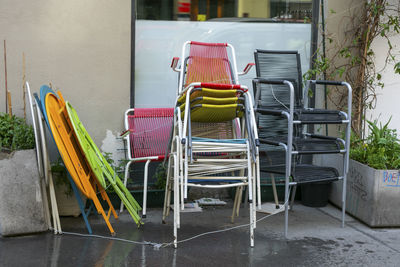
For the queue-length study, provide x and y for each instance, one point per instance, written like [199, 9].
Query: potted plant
[66, 201]
[373, 181]
[21, 206]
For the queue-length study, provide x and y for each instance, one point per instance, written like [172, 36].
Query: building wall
[80, 47]
[339, 17]
[83, 49]
[387, 97]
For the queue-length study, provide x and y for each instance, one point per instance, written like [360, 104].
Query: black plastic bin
[315, 194]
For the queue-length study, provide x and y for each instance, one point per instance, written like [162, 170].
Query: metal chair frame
[186, 169]
[291, 151]
[147, 157]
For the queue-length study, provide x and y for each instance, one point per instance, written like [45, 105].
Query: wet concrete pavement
[315, 239]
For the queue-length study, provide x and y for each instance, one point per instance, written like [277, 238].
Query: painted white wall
[81, 47]
[387, 97]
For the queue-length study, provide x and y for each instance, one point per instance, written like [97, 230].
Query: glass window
[224, 10]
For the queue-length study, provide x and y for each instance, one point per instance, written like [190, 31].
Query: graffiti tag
[357, 185]
[391, 178]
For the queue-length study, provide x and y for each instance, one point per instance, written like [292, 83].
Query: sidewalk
[315, 239]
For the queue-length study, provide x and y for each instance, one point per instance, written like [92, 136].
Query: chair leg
[176, 207]
[251, 223]
[167, 192]
[146, 168]
[54, 207]
[343, 205]
[274, 191]
[286, 209]
[254, 197]
[235, 204]
[239, 200]
[293, 196]
[121, 209]
[344, 188]
[45, 202]
[258, 178]
[81, 206]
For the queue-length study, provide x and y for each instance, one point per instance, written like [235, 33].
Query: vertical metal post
[314, 44]
[313, 53]
[324, 55]
[133, 32]
[5, 75]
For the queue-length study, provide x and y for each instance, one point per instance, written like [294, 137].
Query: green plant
[60, 176]
[15, 134]
[161, 176]
[118, 168]
[350, 55]
[380, 150]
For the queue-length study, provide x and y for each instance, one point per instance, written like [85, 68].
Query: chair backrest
[208, 62]
[149, 131]
[272, 64]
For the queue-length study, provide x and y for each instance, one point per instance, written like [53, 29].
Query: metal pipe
[133, 32]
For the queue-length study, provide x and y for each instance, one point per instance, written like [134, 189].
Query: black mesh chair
[282, 116]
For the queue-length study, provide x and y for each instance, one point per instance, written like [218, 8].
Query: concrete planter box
[21, 205]
[67, 203]
[373, 196]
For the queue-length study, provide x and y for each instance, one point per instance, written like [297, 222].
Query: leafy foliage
[15, 134]
[118, 168]
[161, 175]
[60, 176]
[380, 150]
[352, 56]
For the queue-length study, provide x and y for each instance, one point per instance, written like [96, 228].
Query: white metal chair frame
[180, 162]
[131, 160]
[44, 167]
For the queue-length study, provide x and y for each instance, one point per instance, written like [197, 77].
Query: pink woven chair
[149, 130]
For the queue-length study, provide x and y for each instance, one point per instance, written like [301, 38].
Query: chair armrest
[322, 82]
[246, 69]
[269, 142]
[174, 63]
[272, 81]
[319, 136]
[338, 83]
[266, 111]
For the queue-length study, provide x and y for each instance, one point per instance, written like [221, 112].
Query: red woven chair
[149, 130]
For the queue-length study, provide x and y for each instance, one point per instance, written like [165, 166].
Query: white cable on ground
[163, 245]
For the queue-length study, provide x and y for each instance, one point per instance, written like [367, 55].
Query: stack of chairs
[283, 116]
[214, 143]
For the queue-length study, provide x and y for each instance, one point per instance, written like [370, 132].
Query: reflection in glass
[237, 10]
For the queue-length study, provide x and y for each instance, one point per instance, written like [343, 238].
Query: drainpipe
[133, 31]
[314, 43]
[313, 51]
